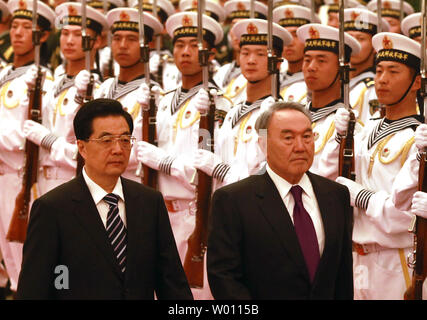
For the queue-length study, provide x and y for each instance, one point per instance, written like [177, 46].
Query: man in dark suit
[101, 236]
[286, 233]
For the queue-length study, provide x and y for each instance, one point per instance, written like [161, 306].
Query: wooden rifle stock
[18, 225]
[197, 242]
[88, 97]
[414, 292]
[149, 175]
[346, 156]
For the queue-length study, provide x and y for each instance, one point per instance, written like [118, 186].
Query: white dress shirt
[308, 199]
[98, 194]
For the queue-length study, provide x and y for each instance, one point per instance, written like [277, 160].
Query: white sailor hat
[241, 9]
[303, 3]
[392, 46]
[359, 19]
[111, 4]
[164, 8]
[254, 31]
[320, 37]
[291, 15]
[128, 19]
[184, 24]
[411, 25]
[212, 9]
[333, 5]
[24, 9]
[391, 8]
[4, 10]
[70, 13]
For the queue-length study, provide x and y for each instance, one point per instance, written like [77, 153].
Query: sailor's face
[125, 47]
[186, 55]
[254, 62]
[21, 36]
[320, 68]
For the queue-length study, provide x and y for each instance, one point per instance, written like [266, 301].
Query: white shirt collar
[99, 193]
[283, 186]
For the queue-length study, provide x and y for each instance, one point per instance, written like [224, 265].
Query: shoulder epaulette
[369, 82]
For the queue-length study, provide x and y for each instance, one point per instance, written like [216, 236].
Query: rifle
[149, 175]
[419, 227]
[86, 46]
[17, 231]
[108, 72]
[346, 155]
[272, 58]
[197, 242]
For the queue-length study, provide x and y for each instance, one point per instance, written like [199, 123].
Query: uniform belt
[179, 205]
[4, 169]
[50, 172]
[364, 249]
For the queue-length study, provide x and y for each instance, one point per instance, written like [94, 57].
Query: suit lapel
[135, 227]
[87, 214]
[274, 210]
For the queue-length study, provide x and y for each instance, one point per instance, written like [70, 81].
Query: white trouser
[11, 251]
[182, 223]
[379, 275]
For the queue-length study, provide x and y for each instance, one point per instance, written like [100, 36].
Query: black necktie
[306, 233]
[116, 230]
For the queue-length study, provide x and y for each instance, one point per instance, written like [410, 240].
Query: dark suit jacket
[65, 229]
[254, 253]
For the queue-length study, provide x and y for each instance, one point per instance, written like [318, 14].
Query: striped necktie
[116, 230]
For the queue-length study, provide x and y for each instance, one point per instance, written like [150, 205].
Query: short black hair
[97, 108]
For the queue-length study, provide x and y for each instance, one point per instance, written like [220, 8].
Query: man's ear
[212, 54]
[44, 36]
[417, 83]
[81, 147]
[262, 141]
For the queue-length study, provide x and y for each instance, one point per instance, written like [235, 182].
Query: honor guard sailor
[14, 103]
[391, 12]
[229, 77]
[292, 85]
[322, 77]
[362, 24]
[129, 86]
[56, 135]
[177, 124]
[381, 239]
[238, 153]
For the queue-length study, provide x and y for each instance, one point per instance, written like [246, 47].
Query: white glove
[206, 161]
[81, 82]
[342, 117]
[419, 204]
[353, 187]
[154, 63]
[421, 137]
[143, 94]
[30, 76]
[201, 101]
[35, 132]
[149, 154]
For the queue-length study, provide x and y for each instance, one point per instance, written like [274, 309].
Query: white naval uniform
[225, 74]
[381, 150]
[58, 165]
[362, 91]
[323, 124]
[171, 76]
[13, 112]
[236, 89]
[178, 135]
[293, 88]
[237, 143]
[126, 94]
